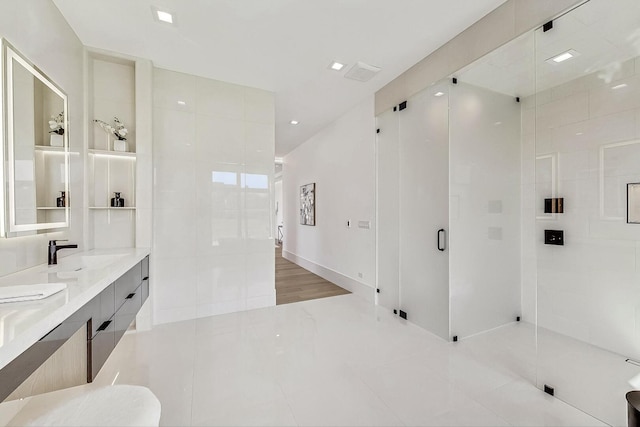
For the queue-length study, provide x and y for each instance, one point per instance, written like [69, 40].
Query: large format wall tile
[587, 150]
[213, 196]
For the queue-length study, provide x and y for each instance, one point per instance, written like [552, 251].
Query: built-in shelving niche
[49, 164]
[112, 93]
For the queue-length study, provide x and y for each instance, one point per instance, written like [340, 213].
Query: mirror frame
[9, 53]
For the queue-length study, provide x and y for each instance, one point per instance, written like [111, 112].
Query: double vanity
[60, 321]
[104, 291]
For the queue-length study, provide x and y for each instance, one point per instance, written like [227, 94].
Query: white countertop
[86, 274]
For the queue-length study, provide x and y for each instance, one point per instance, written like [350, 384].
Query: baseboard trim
[346, 282]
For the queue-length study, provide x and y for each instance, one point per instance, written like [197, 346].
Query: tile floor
[335, 361]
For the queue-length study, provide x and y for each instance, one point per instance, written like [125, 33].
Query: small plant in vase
[56, 129]
[118, 130]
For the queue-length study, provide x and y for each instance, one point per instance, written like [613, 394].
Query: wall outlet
[348, 224]
[360, 275]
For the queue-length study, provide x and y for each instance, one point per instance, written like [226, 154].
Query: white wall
[588, 148]
[40, 33]
[213, 249]
[340, 159]
[484, 209]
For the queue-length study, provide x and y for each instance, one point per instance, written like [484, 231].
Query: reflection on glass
[256, 181]
[240, 207]
[226, 178]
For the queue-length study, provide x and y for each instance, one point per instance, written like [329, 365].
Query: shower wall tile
[571, 109]
[604, 100]
[588, 288]
[213, 195]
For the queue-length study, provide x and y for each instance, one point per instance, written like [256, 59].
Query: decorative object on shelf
[308, 204]
[555, 205]
[61, 201]
[117, 201]
[56, 129]
[633, 203]
[118, 130]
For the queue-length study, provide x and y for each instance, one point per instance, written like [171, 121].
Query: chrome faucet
[54, 248]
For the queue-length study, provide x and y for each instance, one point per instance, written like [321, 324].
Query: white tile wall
[213, 197]
[587, 289]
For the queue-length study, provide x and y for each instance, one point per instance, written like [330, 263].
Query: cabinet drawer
[127, 313]
[103, 307]
[128, 283]
[144, 290]
[144, 265]
[100, 347]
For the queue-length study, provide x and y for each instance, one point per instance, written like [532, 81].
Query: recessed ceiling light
[163, 16]
[438, 94]
[620, 86]
[182, 103]
[561, 57]
[294, 122]
[337, 66]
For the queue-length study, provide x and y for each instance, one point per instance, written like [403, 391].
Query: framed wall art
[308, 204]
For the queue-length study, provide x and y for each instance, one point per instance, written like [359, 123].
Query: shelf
[48, 148]
[126, 208]
[106, 153]
[49, 208]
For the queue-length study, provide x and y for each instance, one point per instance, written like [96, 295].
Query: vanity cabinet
[116, 308]
[107, 317]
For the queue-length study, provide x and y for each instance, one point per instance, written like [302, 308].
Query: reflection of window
[250, 180]
[226, 178]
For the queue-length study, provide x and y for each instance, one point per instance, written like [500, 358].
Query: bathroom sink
[75, 265]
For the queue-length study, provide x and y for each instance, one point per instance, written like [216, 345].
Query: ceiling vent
[362, 72]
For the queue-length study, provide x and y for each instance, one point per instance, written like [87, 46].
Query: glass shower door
[424, 209]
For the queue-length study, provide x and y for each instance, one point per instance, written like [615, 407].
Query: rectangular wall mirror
[36, 145]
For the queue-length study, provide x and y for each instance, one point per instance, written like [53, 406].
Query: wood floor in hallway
[294, 283]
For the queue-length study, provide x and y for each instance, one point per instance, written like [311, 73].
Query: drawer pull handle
[131, 295]
[104, 325]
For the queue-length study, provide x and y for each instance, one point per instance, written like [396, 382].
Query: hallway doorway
[295, 284]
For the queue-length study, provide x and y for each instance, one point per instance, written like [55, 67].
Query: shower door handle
[442, 239]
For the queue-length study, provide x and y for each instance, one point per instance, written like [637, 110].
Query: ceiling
[284, 46]
[604, 33]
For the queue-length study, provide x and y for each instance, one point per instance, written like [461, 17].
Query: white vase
[56, 140]
[120, 145]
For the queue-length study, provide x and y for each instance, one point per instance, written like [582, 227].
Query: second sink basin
[75, 265]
